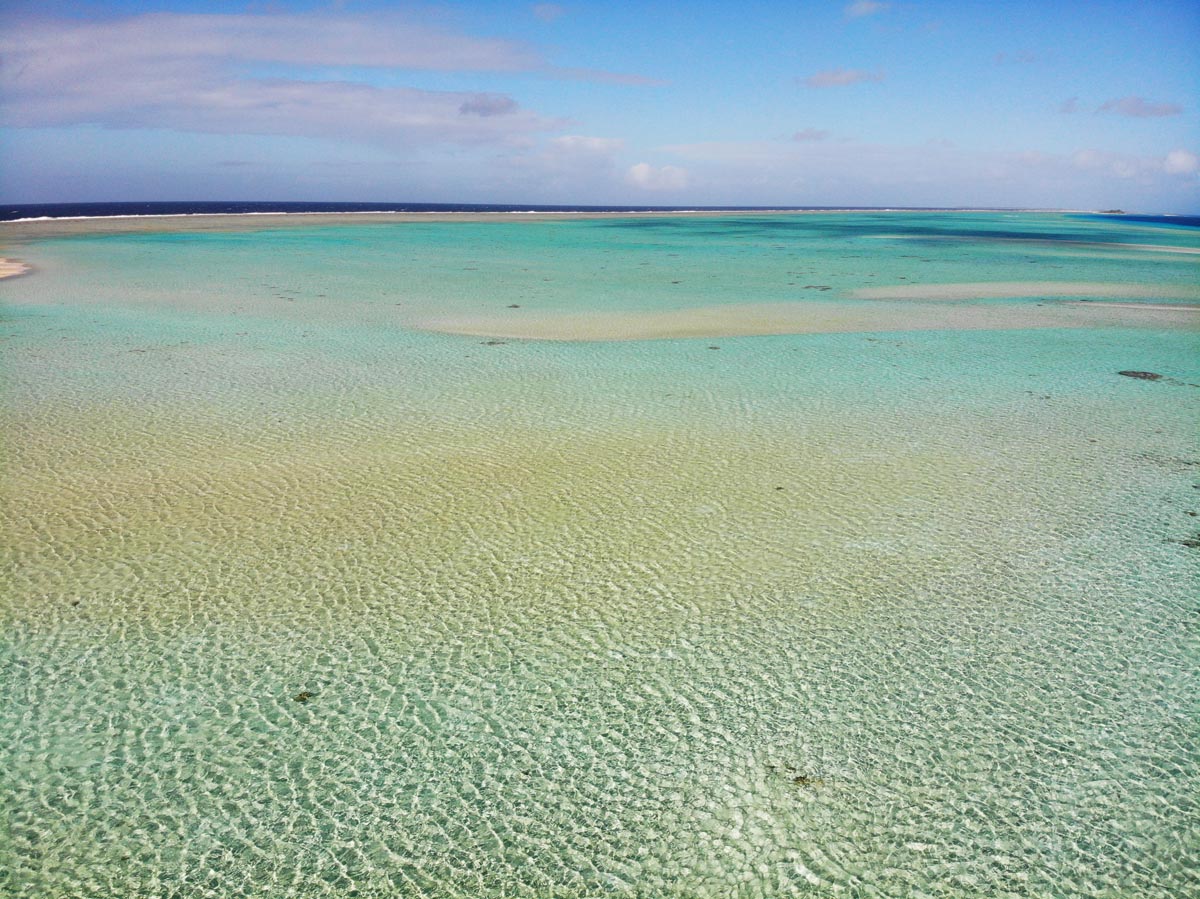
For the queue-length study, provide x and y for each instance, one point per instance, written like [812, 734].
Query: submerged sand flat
[987, 290]
[302, 600]
[746, 320]
[1056, 245]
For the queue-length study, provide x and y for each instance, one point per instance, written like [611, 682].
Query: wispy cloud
[581, 144]
[648, 177]
[809, 134]
[488, 105]
[601, 77]
[548, 12]
[205, 73]
[1069, 106]
[841, 77]
[931, 173]
[1139, 108]
[861, 8]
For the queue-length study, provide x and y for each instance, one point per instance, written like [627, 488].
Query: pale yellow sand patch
[10, 268]
[805, 318]
[983, 290]
[1161, 307]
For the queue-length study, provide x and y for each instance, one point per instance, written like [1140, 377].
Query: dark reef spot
[794, 775]
[303, 696]
[714, 347]
[493, 342]
[1141, 375]
[1190, 542]
[514, 305]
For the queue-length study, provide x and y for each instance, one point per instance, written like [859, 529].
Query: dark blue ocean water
[9, 212]
[1177, 221]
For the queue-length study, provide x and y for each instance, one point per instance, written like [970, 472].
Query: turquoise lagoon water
[308, 595]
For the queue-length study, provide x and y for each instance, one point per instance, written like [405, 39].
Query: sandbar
[756, 319]
[1056, 244]
[984, 290]
[10, 268]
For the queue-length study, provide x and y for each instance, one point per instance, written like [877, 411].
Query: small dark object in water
[493, 342]
[303, 696]
[714, 347]
[515, 306]
[1191, 542]
[804, 780]
[1142, 375]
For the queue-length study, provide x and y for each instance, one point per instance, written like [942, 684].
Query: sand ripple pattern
[381, 613]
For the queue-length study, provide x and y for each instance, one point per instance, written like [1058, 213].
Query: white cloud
[1139, 108]
[648, 177]
[841, 77]
[189, 73]
[60, 46]
[1115, 165]
[1181, 162]
[861, 8]
[928, 174]
[577, 143]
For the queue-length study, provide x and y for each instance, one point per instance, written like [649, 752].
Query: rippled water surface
[307, 596]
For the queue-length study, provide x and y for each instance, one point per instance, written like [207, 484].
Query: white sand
[10, 268]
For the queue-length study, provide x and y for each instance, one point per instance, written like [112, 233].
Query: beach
[543, 555]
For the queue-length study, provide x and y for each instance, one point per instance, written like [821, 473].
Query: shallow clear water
[304, 598]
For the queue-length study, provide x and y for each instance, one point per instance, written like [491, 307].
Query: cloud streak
[191, 73]
[862, 8]
[842, 78]
[1139, 108]
[927, 174]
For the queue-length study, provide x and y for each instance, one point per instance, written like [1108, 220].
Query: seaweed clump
[1142, 375]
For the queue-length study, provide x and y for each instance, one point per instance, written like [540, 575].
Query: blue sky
[1046, 104]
